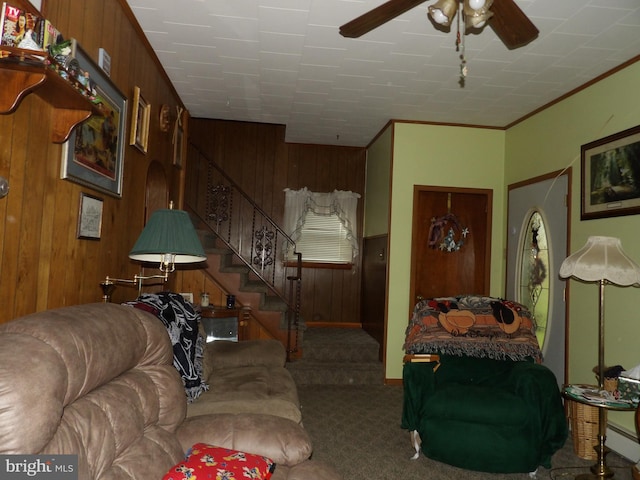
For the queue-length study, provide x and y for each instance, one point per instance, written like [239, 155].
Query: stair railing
[246, 229]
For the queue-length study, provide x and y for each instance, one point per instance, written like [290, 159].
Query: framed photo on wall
[90, 217]
[140, 115]
[93, 156]
[611, 176]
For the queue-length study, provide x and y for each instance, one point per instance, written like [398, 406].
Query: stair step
[340, 344]
[337, 373]
[338, 356]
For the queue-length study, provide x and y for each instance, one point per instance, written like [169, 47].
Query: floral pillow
[210, 462]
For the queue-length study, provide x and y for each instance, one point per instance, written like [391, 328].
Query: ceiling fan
[506, 19]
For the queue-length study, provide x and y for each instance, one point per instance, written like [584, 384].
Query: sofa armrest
[227, 354]
[280, 439]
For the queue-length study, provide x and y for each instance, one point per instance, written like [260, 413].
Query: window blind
[323, 239]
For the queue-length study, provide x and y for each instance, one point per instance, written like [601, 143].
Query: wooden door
[374, 287]
[451, 242]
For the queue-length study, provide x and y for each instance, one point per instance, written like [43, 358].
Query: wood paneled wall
[42, 262]
[257, 157]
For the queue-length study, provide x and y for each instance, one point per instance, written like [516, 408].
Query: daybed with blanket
[475, 391]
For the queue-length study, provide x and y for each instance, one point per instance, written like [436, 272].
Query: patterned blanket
[181, 321]
[473, 326]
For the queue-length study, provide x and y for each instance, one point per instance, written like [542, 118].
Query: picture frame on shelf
[94, 154]
[610, 176]
[140, 116]
[90, 217]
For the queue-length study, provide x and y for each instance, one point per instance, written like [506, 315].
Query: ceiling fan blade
[511, 25]
[376, 17]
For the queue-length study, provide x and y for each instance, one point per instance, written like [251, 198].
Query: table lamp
[168, 238]
[601, 260]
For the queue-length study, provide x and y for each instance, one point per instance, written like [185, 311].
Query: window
[323, 239]
[322, 225]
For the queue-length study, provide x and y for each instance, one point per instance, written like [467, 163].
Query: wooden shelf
[22, 77]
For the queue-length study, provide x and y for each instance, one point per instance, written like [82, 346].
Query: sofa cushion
[209, 461]
[280, 439]
[224, 354]
[253, 389]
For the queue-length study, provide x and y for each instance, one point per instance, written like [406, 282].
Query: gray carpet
[356, 428]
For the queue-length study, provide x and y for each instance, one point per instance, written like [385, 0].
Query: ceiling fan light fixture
[443, 11]
[476, 4]
[477, 18]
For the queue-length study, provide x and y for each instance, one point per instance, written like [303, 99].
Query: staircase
[244, 249]
[235, 277]
[338, 356]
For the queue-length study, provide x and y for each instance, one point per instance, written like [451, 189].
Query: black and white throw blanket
[181, 321]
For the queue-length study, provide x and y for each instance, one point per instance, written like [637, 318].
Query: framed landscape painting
[611, 176]
[93, 155]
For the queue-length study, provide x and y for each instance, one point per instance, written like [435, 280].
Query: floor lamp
[601, 260]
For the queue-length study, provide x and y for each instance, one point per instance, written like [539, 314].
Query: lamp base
[600, 470]
[635, 472]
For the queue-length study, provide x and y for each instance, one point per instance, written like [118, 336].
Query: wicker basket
[584, 429]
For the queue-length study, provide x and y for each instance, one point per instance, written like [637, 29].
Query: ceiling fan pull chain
[463, 61]
[458, 38]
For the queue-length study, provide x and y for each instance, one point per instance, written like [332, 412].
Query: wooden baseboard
[332, 325]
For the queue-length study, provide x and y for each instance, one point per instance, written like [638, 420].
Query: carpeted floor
[356, 428]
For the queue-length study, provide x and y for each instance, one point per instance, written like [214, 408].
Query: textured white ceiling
[283, 61]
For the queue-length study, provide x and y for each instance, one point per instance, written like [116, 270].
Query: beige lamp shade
[602, 258]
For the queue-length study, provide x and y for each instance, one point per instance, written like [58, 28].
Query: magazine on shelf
[19, 28]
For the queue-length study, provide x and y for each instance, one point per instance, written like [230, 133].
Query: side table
[222, 323]
[594, 397]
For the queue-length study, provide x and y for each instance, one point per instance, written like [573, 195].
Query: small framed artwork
[140, 115]
[93, 155]
[611, 176]
[90, 217]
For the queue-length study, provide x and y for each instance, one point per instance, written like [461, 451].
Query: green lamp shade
[168, 232]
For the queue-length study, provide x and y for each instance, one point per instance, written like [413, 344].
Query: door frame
[530, 181]
[417, 190]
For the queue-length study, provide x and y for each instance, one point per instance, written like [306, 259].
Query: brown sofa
[97, 380]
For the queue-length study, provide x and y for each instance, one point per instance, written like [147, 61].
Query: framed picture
[140, 115]
[93, 155]
[90, 217]
[611, 176]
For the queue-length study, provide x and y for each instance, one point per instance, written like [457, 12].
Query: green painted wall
[378, 186]
[439, 156]
[550, 141]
